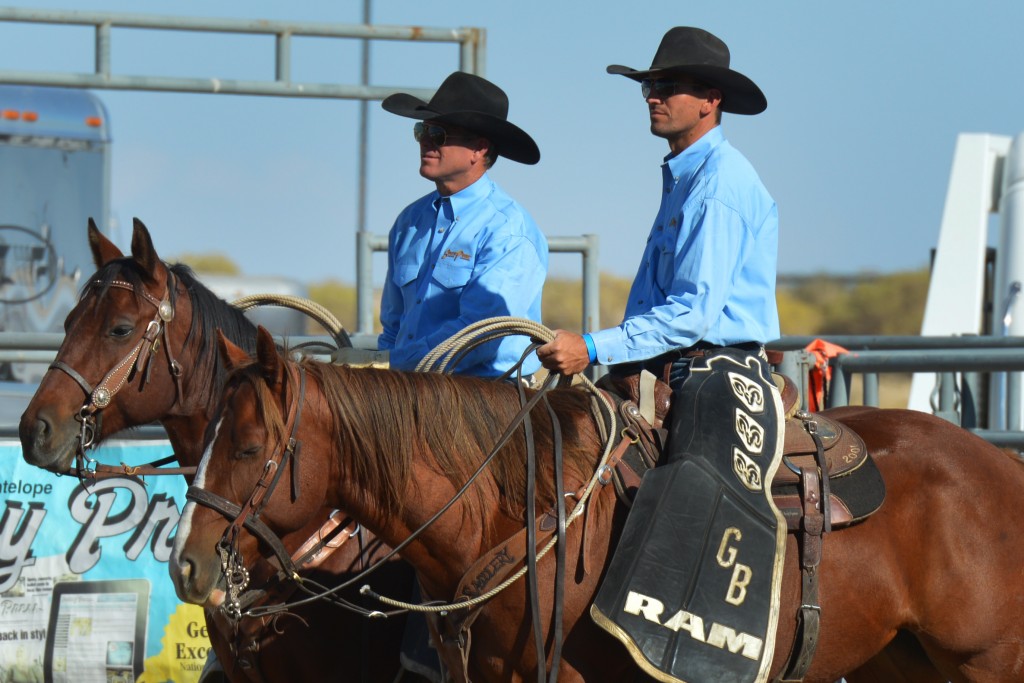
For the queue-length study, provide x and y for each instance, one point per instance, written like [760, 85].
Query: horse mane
[209, 313]
[383, 417]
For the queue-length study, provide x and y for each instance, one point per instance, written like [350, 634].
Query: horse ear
[103, 250]
[232, 355]
[268, 357]
[142, 249]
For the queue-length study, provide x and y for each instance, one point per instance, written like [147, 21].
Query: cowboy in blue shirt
[466, 251]
[708, 273]
[463, 253]
[700, 310]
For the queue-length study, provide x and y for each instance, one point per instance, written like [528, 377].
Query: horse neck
[439, 562]
[186, 422]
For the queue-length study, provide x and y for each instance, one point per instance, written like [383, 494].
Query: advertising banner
[84, 591]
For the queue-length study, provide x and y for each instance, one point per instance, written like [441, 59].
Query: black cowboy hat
[475, 104]
[695, 52]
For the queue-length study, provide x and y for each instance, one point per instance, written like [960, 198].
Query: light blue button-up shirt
[708, 272]
[455, 261]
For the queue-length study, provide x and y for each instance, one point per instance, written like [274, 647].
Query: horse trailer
[54, 176]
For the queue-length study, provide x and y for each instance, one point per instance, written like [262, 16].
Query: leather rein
[137, 362]
[236, 575]
[247, 516]
[284, 457]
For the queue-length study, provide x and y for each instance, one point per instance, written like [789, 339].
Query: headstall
[136, 362]
[247, 515]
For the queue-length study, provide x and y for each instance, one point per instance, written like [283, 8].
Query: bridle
[334, 533]
[247, 515]
[136, 361]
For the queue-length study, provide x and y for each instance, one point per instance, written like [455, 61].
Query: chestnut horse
[941, 559]
[105, 325]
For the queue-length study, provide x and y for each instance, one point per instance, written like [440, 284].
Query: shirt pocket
[404, 273]
[665, 252]
[453, 273]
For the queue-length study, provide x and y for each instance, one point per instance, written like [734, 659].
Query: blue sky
[865, 101]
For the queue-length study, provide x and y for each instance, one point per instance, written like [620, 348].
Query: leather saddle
[853, 485]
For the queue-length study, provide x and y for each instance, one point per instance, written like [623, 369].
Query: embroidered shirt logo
[456, 255]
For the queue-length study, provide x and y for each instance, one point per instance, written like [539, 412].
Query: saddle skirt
[855, 486]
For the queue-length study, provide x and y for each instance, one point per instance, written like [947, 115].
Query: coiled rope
[324, 317]
[445, 356]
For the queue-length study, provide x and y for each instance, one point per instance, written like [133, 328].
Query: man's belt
[661, 366]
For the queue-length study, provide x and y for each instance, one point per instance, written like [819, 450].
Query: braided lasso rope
[311, 308]
[447, 354]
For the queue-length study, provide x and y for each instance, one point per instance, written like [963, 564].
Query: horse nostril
[35, 429]
[184, 570]
[184, 574]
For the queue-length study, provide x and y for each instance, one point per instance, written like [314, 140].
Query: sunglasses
[437, 135]
[663, 89]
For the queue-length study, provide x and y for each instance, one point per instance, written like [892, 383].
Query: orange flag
[821, 374]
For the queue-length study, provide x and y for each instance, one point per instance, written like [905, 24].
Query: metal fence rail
[798, 363]
[959, 402]
[470, 40]
[961, 366]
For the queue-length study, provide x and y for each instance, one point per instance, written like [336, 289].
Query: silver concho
[101, 397]
[166, 311]
[750, 393]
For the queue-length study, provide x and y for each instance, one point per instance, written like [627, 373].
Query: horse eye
[121, 331]
[249, 452]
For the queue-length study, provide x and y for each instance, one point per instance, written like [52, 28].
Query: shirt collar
[684, 165]
[467, 195]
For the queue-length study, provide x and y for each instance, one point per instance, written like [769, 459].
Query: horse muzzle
[47, 442]
[194, 585]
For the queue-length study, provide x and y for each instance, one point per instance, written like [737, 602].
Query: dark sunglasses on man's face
[437, 135]
[664, 89]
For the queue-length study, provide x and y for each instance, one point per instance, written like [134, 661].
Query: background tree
[213, 263]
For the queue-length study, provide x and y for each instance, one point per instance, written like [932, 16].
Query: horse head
[102, 332]
[139, 347]
[254, 483]
[116, 367]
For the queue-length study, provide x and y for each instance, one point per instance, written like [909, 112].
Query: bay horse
[942, 558]
[114, 312]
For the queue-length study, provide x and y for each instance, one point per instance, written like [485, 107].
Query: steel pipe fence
[961, 364]
[471, 42]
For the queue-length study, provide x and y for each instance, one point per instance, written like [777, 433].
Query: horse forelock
[384, 417]
[267, 403]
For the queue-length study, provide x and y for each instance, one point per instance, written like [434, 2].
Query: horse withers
[940, 560]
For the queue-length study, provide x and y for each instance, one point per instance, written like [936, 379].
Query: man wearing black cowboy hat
[466, 251]
[692, 588]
